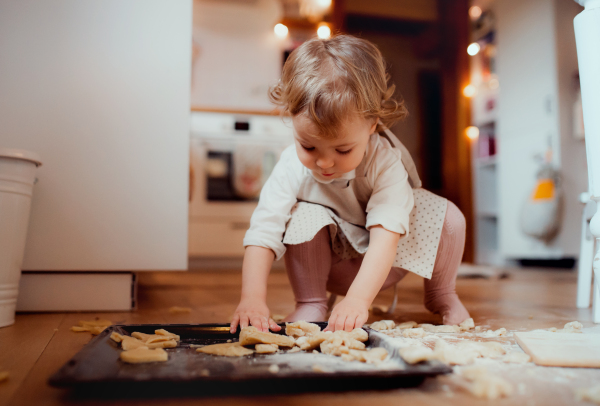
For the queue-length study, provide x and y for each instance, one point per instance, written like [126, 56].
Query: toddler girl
[345, 203]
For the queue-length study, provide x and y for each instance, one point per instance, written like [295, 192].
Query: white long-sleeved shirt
[377, 192]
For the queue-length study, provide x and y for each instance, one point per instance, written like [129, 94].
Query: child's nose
[324, 162]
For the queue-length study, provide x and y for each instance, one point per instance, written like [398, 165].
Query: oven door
[228, 175]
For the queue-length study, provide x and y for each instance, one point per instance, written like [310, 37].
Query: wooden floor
[38, 344]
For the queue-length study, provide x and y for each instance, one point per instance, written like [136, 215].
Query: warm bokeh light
[281, 30]
[469, 91]
[323, 3]
[494, 83]
[475, 12]
[473, 49]
[472, 132]
[324, 32]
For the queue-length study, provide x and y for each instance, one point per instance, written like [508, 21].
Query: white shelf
[487, 161]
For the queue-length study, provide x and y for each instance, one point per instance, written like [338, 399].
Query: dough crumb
[588, 394]
[484, 385]
[415, 354]
[205, 372]
[116, 337]
[4, 375]
[295, 349]
[430, 328]
[274, 368]
[413, 333]
[407, 324]
[230, 341]
[143, 355]
[179, 310]
[383, 325]
[467, 325]
[321, 369]
[266, 348]
[226, 350]
[516, 357]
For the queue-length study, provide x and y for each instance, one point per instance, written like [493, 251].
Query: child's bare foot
[308, 312]
[450, 307]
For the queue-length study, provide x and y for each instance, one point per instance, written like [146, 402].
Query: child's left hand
[348, 314]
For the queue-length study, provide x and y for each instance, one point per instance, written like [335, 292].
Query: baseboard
[77, 291]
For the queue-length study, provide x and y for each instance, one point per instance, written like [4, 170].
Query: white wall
[236, 53]
[536, 61]
[100, 89]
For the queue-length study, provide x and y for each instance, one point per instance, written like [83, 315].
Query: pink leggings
[314, 269]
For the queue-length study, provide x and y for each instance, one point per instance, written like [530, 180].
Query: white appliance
[101, 90]
[232, 155]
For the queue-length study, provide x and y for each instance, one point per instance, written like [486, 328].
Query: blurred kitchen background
[156, 134]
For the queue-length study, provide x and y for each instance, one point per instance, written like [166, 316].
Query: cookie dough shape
[484, 385]
[143, 355]
[383, 325]
[226, 350]
[250, 335]
[413, 333]
[266, 348]
[430, 328]
[301, 329]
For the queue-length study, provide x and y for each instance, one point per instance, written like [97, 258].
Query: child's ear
[374, 126]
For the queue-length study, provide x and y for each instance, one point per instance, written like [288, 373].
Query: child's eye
[344, 152]
[308, 148]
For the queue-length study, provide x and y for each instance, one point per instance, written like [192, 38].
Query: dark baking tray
[98, 365]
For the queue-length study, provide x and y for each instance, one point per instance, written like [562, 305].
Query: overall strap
[407, 160]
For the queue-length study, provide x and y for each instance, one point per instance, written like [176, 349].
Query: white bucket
[17, 175]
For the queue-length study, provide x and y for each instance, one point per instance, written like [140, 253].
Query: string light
[473, 49]
[472, 132]
[475, 12]
[281, 30]
[324, 31]
[469, 91]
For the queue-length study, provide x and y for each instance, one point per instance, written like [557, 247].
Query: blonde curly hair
[329, 79]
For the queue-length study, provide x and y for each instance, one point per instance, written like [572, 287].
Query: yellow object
[544, 190]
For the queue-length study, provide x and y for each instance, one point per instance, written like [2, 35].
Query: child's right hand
[249, 312]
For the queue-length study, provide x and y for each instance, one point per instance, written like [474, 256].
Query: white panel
[55, 292]
[100, 89]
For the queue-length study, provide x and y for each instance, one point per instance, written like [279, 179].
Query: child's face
[330, 159]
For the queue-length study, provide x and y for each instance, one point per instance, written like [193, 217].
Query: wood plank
[21, 345]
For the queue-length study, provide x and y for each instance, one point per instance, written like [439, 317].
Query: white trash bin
[17, 175]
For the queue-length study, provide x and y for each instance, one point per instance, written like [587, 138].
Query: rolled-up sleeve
[277, 197]
[392, 199]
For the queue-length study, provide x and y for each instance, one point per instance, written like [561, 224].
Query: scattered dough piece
[95, 323]
[250, 335]
[486, 386]
[295, 349]
[116, 337]
[226, 350]
[313, 341]
[163, 332]
[413, 354]
[273, 368]
[489, 349]
[572, 327]
[383, 325]
[413, 333]
[229, 341]
[4, 376]
[553, 329]
[321, 369]
[97, 330]
[162, 344]
[516, 357]
[450, 355]
[205, 372]
[142, 336]
[359, 334]
[266, 348]
[478, 328]
[407, 324]
[589, 394]
[157, 339]
[144, 354]
[340, 342]
[178, 309]
[466, 325]
[372, 356]
[131, 343]
[79, 329]
[500, 332]
[301, 328]
[430, 328]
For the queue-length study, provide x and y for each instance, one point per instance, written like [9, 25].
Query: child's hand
[348, 314]
[253, 313]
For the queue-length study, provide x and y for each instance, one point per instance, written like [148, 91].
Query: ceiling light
[281, 30]
[324, 31]
[473, 49]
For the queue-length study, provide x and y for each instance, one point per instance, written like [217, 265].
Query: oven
[232, 156]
